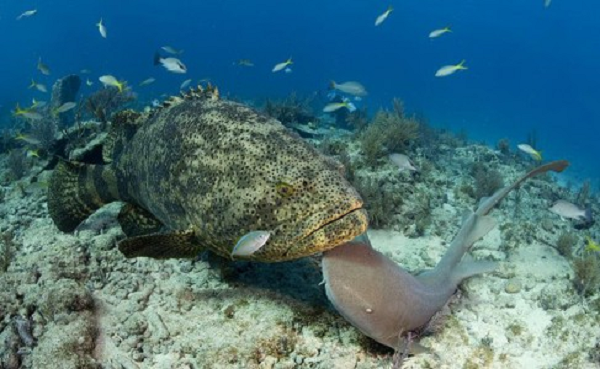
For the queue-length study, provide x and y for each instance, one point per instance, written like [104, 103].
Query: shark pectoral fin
[136, 221]
[482, 226]
[162, 245]
[469, 268]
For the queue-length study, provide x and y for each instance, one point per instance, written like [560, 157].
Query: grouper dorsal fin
[136, 221]
[181, 244]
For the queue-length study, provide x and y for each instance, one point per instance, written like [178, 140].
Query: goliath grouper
[200, 173]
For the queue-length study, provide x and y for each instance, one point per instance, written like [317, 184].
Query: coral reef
[388, 132]
[7, 250]
[380, 202]
[16, 165]
[566, 243]
[73, 301]
[487, 180]
[65, 90]
[356, 120]
[587, 274]
[291, 110]
[105, 102]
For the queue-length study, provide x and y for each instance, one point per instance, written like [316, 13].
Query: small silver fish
[101, 28]
[38, 86]
[27, 14]
[172, 50]
[447, 70]
[244, 63]
[147, 81]
[331, 107]
[43, 68]
[281, 66]
[109, 80]
[535, 154]
[185, 84]
[380, 19]
[65, 107]
[32, 115]
[565, 209]
[35, 104]
[250, 243]
[171, 64]
[438, 32]
[28, 139]
[403, 162]
[351, 87]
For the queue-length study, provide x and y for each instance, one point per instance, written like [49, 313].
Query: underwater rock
[65, 90]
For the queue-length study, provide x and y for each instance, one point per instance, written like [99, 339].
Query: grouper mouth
[324, 234]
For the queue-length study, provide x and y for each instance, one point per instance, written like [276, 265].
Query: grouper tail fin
[77, 190]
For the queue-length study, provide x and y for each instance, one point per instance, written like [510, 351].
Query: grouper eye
[284, 189]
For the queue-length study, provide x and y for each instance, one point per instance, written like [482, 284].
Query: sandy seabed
[73, 301]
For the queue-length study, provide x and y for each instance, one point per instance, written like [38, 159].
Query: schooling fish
[37, 104]
[281, 66]
[111, 81]
[147, 81]
[27, 14]
[380, 19]
[101, 28]
[173, 65]
[565, 209]
[250, 243]
[201, 172]
[64, 108]
[172, 50]
[351, 87]
[27, 113]
[38, 86]
[185, 84]
[331, 107]
[28, 139]
[43, 68]
[438, 32]
[403, 162]
[535, 154]
[447, 70]
[245, 63]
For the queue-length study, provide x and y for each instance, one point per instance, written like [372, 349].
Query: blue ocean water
[531, 68]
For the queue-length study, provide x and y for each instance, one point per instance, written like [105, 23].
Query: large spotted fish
[200, 173]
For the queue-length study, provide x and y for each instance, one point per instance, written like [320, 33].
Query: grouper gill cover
[200, 172]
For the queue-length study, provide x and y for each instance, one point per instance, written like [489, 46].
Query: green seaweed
[291, 110]
[103, 103]
[388, 132]
[503, 145]
[380, 203]
[587, 274]
[7, 249]
[487, 181]
[566, 242]
[357, 119]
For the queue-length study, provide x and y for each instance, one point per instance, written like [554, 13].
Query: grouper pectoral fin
[183, 244]
[137, 221]
[77, 190]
